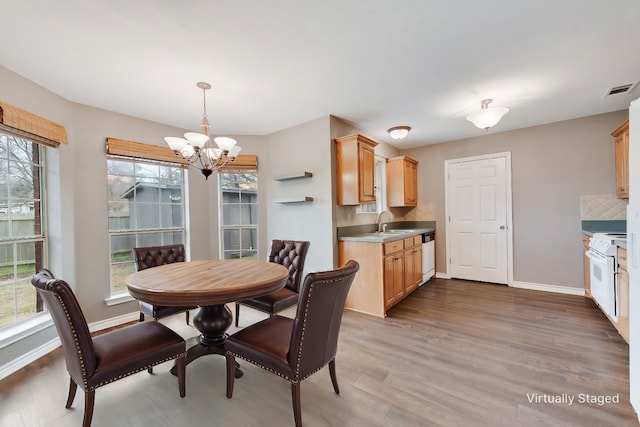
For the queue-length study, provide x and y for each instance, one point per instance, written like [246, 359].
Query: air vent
[620, 89]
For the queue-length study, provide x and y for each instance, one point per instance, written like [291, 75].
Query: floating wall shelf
[305, 199]
[295, 175]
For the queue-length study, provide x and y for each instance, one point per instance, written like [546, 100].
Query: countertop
[389, 236]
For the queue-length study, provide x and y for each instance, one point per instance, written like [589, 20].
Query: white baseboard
[38, 352]
[548, 288]
[27, 358]
[534, 286]
[114, 321]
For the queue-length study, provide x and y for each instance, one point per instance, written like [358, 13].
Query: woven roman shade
[31, 126]
[139, 150]
[242, 163]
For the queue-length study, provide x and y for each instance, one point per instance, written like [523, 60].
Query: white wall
[306, 147]
[77, 195]
[552, 167]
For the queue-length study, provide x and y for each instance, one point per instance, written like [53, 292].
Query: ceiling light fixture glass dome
[487, 117]
[399, 132]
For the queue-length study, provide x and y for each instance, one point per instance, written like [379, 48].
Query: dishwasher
[428, 256]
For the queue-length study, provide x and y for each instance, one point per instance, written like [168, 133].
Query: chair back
[154, 256]
[314, 340]
[291, 254]
[77, 344]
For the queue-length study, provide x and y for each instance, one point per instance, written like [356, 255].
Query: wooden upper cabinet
[402, 182]
[621, 136]
[355, 168]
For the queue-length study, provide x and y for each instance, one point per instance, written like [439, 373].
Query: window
[22, 233]
[238, 214]
[146, 208]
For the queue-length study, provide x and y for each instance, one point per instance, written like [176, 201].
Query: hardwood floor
[454, 353]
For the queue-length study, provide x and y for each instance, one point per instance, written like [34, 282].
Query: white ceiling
[374, 63]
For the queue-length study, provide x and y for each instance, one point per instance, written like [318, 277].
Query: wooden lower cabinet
[623, 295]
[393, 279]
[388, 273]
[586, 266]
[412, 263]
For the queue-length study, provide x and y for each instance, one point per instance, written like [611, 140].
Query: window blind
[31, 126]
[139, 150]
[242, 163]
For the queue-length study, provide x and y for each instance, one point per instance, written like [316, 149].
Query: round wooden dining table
[210, 285]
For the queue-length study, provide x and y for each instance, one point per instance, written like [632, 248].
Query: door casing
[508, 206]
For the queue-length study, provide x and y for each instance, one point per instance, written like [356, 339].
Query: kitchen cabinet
[621, 136]
[355, 169]
[388, 272]
[393, 273]
[412, 263]
[586, 266]
[623, 295]
[402, 182]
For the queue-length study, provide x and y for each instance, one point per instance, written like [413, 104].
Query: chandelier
[488, 116]
[196, 147]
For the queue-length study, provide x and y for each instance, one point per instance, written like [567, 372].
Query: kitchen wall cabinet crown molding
[402, 182]
[355, 170]
[621, 136]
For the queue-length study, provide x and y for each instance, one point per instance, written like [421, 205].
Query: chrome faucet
[382, 227]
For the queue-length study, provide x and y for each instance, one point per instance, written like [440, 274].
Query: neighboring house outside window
[146, 208]
[238, 195]
[22, 229]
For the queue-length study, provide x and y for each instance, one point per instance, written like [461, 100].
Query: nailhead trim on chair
[84, 372]
[75, 340]
[297, 370]
[293, 381]
[144, 368]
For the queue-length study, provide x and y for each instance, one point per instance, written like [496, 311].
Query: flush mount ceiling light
[399, 132]
[487, 117]
[196, 147]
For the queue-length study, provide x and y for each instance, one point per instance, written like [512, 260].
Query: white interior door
[478, 206]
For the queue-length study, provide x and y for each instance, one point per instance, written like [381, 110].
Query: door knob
[502, 227]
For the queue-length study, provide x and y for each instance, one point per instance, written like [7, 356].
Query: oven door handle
[596, 257]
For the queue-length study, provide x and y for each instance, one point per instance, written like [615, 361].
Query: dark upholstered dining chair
[154, 256]
[291, 254]
[296, 348]
[95, 361]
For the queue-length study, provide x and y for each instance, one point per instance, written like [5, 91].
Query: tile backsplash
[603, 207]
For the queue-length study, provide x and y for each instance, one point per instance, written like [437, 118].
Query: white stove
[603, 265]
[604, 243]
